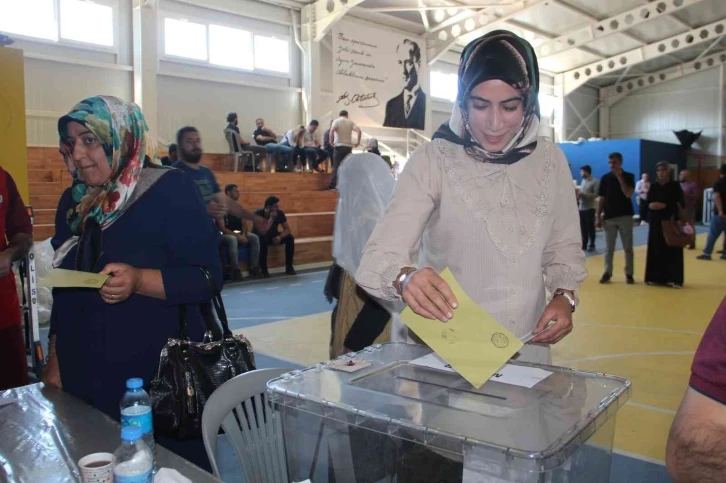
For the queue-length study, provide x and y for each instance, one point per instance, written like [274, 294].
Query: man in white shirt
[642, 187]
[291, 145]
[311, 146]
[342, 133]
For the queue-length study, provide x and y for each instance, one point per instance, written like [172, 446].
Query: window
[272, 54]
[32, 18]
[217, 45]
[79, 20]
[86, 22]
[547, 105]
[185, 39]
[230, 47]
[444, 86]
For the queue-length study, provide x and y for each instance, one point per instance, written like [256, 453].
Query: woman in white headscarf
[491, 201]
[365, 186]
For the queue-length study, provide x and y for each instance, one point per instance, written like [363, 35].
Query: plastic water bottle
[136, 411]
[134, 462]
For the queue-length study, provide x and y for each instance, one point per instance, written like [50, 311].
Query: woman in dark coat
[146, 226]
[664, 265]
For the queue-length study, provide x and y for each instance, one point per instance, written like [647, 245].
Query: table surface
[45, 432]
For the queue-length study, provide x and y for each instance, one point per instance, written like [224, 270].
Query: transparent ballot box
[394, 421]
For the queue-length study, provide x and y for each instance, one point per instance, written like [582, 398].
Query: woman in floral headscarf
[144, 225]
[491, 201]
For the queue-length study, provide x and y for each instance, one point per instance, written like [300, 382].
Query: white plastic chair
[240, 407]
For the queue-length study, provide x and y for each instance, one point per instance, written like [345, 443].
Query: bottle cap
[131, 433]
[135, 383]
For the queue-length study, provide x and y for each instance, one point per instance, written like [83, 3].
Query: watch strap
[570, 298]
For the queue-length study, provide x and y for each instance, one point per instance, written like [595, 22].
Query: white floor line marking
[246, 291]
[628, 354]
[295, 284]
[260, 318]
[272, 288]
[636, 456]
[651, 408]
[679, 331]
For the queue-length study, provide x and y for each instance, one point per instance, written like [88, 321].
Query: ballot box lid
[387, 393]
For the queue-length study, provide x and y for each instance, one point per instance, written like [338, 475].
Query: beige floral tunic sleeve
[507, 232]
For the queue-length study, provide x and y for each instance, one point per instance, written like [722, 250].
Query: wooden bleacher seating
[310, 210]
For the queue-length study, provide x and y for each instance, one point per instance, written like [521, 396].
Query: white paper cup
[94, 471]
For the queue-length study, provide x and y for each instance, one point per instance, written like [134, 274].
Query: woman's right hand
[50, 376]
[430, 296]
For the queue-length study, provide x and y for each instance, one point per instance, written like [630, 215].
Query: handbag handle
[218, 304]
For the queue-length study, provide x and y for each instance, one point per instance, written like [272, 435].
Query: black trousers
[266, 241]
[339, 155]
[587, 227]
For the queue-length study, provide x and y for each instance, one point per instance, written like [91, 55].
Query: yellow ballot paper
[473, 342]
[61, 278]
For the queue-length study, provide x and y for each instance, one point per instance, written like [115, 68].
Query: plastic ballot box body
[376, 417]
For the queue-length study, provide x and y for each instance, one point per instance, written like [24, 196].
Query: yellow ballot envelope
[473, 342]
[61, 278]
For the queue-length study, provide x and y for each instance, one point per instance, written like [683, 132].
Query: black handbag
[189, 372]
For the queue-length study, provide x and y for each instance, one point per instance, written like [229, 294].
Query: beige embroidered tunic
[507, 232]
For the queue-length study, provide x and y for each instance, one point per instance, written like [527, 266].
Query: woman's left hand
[560, 311]
[124, 281]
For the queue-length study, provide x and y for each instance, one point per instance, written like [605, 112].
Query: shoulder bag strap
[218, 303]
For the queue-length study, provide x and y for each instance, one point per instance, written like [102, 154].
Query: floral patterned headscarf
[504, 56]
[122, 130]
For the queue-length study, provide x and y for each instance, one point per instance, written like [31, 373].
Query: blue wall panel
[595, 153]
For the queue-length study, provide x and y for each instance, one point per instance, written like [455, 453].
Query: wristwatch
[570, 298]
[403, 276]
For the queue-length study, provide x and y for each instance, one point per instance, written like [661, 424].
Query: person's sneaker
[290, 271]
[256, 272]
[265, 274]
[591, 248]
[703, 256]
[629, 279]
[605, 278]
[675, 285]
[237, 275]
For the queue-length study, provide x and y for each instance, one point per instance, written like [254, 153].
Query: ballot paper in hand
[473, 342]
[61, 278]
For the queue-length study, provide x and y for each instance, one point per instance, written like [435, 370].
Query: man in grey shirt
[587, 196]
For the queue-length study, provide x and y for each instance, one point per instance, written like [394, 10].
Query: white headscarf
[365, 186]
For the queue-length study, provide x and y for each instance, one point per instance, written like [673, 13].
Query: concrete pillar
[146, 60]
[311, 66]
[604, 115]
[560, 112]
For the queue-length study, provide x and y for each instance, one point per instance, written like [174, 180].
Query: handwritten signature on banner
[364, 101]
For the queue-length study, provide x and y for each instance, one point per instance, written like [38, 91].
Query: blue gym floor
[277, 299]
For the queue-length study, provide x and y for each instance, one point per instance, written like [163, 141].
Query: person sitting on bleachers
[216, 203]
[292, 145]
[266, 137]
[234, 232]
[275, 218]
[171, 157]
[311, 147]
[237, 144]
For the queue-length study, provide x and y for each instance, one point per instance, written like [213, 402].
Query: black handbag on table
[189, 372]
